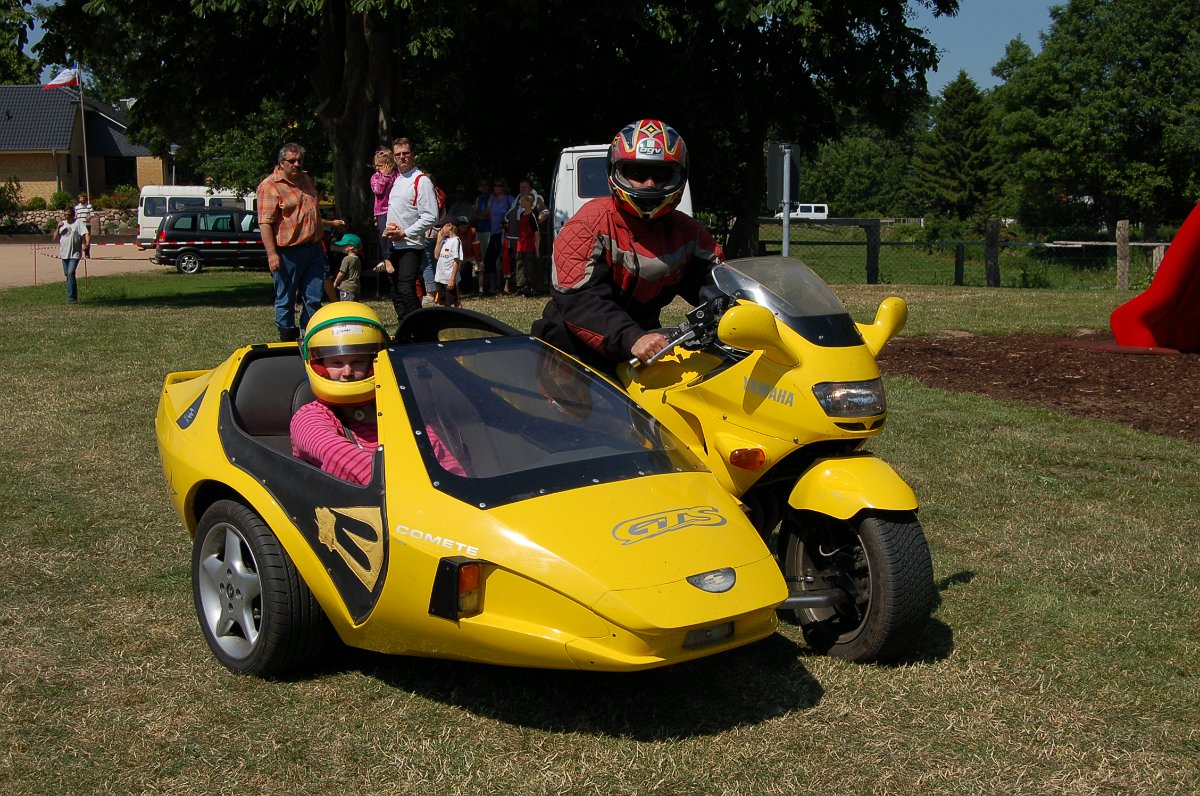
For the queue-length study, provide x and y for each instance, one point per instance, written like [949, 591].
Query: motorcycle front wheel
[878, 574]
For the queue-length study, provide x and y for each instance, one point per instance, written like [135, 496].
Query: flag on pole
[67, 77]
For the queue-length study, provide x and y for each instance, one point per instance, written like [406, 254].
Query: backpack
[437, 192]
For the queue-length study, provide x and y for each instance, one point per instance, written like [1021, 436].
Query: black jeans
[409, 264]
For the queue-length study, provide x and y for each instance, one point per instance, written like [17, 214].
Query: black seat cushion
[264, 396]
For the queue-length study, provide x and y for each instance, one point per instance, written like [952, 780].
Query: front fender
[843, 486]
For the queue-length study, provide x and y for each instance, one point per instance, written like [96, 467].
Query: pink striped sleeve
[444, 455]
[318, 437]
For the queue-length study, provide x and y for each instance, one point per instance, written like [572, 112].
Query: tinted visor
[360, 349]
[666, 176]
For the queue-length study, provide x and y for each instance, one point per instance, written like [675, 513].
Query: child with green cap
[349, 277]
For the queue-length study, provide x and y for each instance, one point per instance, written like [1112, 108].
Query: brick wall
[37, 172]
[40, 173]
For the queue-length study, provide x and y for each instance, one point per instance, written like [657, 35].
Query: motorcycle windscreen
[504, 419]
[794, 293]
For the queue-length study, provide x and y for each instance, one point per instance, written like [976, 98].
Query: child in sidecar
[338, 431]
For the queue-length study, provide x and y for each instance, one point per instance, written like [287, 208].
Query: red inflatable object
[1167, 314]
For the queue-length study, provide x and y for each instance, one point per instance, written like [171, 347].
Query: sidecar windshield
[508, 418]
[796, 295]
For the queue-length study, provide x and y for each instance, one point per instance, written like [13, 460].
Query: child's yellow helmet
[342, 328]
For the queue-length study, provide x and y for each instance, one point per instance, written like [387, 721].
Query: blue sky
[975, 39]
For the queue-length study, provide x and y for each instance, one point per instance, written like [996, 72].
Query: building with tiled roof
[42, 144]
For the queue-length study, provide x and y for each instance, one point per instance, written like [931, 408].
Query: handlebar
[685, 333]
[701, 324]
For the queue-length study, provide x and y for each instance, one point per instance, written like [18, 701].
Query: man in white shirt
[83, 209]
[73, 242]
[412, 210]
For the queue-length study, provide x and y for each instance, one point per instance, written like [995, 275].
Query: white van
[158, 200]
[582, 175]
[809, 211]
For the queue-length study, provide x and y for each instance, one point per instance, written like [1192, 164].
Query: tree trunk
[353, 79]
[743, 237]
[1123, 254]
[991, 252]
[1149, 223]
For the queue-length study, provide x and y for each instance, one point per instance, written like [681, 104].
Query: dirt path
[30, 263]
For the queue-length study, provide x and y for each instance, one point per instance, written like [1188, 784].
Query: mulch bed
[1079, 375]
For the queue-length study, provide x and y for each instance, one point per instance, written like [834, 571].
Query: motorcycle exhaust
[823, 598]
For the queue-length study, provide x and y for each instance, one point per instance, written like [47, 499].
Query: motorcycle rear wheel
[881, 564]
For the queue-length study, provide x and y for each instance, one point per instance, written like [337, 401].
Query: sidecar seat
[266, 394]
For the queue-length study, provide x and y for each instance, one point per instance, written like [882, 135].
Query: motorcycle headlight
[851, 398]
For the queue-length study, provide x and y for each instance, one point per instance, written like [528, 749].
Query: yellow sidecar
[582, 535]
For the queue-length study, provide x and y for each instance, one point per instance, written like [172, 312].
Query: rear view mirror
[889, 320]
[752, 327]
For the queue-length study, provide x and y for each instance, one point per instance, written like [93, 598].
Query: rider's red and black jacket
[612, 274]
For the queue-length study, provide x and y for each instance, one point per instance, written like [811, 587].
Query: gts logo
[651, 525]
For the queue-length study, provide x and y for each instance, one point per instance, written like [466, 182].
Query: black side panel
[345, 524]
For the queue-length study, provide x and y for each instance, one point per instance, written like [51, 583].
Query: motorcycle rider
[622, 258]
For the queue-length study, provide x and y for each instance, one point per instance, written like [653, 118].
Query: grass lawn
[1064, 655]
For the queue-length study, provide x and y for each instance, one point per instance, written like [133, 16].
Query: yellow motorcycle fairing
[778, 396]
[718, 406]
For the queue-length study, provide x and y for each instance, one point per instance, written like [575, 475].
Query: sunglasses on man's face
[641, 172]
[293, 161]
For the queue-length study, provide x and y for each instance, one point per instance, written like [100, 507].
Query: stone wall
[104, 222]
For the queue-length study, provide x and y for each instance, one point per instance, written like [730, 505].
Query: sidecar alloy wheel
[257, 614]
[881, 563]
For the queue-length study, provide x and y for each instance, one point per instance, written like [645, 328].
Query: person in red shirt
[529, 239]
[622, 258]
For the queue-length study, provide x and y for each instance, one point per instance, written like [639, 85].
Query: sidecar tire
[257, 614]
[883, 563]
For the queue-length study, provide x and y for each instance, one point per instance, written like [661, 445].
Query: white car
[807, 211]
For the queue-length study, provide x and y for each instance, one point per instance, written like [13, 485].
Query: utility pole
[787, 199]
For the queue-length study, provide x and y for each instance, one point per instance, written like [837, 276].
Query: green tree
[502, 85]
[863, 173]
[15, 23]
[954, 169]
[1104, 123]
[788, 71]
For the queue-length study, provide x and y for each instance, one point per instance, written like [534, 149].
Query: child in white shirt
[449, 263]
